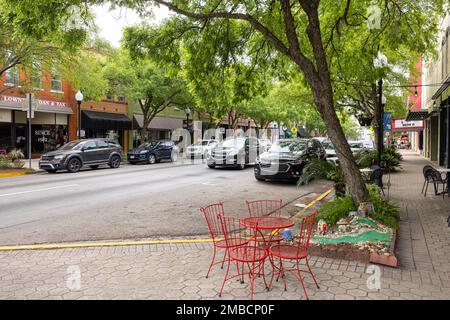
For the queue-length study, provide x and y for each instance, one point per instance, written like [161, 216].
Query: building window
[36, 76]
[12, 77]
[56, 83]
[121, 96]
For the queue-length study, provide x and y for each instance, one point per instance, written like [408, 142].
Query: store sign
[403, 125]
[44, 104]
[42, 135]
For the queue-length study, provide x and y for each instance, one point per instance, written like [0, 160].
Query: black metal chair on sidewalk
[433, 176]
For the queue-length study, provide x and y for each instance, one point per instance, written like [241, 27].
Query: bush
[321, 169]
[5, 162]
[335, 210]
[390, 159]
[386, 212]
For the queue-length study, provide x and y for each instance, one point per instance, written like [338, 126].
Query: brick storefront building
[55, 120]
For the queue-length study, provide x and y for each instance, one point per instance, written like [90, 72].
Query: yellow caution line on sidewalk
[123, 243]
[11, 174]
[309, 205]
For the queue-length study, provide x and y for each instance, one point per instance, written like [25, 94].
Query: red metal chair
[249, 254]
[266, 207]
[211, 213]
[295, 253]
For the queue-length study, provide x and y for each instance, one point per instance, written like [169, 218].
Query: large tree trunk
[318, 77]
[353, 178]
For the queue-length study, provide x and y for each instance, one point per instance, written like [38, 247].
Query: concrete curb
[12, 174]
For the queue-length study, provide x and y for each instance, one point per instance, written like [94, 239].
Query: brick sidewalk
[177, 271]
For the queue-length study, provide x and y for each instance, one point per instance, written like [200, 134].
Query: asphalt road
[131, 202]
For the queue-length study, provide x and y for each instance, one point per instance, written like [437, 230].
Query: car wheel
[74, 165]
[94, 167]
[115, 162]
[212, 166]
[151, 159]
[259, 178]
[174, 157]
[51, 170]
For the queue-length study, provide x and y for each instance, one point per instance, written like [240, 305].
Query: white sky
[111, 23]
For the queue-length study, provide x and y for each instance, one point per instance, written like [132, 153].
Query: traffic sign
[26, 105]
[294, 130]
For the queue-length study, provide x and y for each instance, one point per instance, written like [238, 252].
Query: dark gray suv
[78, 153]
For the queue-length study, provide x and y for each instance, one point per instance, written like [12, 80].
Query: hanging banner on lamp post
[387, 121]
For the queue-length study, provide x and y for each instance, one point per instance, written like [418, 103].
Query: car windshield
[328, 145]
[148, 144]
[233, 143]
[288, 147]
[73, 145]
[356, 145]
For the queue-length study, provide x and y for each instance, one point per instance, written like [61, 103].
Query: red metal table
[267, 223]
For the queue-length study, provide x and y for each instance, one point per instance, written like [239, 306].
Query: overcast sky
[111, 23]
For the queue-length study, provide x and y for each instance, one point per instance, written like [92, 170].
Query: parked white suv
[201, 148]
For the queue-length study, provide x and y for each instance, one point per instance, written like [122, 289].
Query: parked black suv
[153, 151]
[286, 158]
[235, 152]
[78, 153]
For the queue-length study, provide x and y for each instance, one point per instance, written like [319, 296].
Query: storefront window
[46, 138]
[5, 137]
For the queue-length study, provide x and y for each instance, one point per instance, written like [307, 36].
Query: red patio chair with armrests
[249, 254]
[211, 214]
[264, 208]
[295, 253]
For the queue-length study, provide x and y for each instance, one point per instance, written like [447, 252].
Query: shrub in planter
[321, 169]
[389, 160]
[5, 162]
[335, 210]
[385, 211]
[16, 155]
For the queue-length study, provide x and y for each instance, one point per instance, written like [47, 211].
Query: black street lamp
[79, 98]
[188, 112]
[380, 62]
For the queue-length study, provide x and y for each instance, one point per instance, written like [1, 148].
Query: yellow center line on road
[127, 243]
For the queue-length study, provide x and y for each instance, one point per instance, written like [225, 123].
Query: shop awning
[158, 123]
[414, 115]
[105, 120]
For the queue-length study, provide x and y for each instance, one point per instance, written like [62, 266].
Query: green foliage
[16, 154]
[386, 212]
[335, 210]
[390, 159]
[5, 162]
[321, 169]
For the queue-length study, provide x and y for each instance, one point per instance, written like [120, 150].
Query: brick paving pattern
[177, 271]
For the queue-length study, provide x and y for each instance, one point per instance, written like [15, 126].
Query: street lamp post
[79, 98]
[379, 62]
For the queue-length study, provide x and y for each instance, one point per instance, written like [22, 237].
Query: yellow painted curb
[12, 174]
[309, 205]
[124, 243]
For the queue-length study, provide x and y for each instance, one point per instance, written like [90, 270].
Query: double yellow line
[126, 243]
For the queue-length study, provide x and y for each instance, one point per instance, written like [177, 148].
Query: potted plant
[16, 155]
